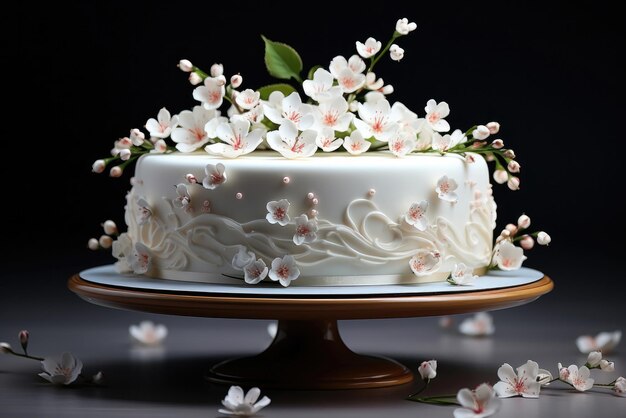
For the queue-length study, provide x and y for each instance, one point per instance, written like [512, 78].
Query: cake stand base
[310, 355]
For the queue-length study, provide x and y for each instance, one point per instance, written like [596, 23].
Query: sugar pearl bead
[315, 201]
[286, 180]
[371, 192]
[239, 196]
[310, 196]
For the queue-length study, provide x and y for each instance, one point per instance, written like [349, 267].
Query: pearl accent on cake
[286, 180]
[239, 196]
[371, 192]
[310, 196]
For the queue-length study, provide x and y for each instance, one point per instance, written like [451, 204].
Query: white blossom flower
[238, 404]
[238, 140]
[445, 189]
[416, 215]
[306, 230]
[290, 144]
[369, 48]
[607, 366]
[280, 109]
[403, 27]
[141, 259]
[216, 70]
[215, 176]
[481, 132]
[144, 213]
[162, 126]
[604, 342]
[148, 333]
[211, 95]
[443, 143]
[321, 87]
[372, 83]
[579, 378]
[248, 99]
[478, 403]
[594, 358]
[348, 73]
[563, 372]
[284, 270]
[182, 200]
[277, 212]
[620, 386]
[355, 144]
[326, 140]
[375, 120]
[137, 137]
[403, 116]
[481, 324]
[425, 262]
[543, 238]
[402, 143]
[192, 134]
[255, 272]
[242, 258]
[428, 369]
[462, 275]
[333, 113]
[396, 53]
[524, 383]
[435, 114]
[160, 146]
[61, 370]
[508, 256]
[254, 116]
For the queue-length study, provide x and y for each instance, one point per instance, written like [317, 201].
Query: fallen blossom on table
[481, 324]
[477, 403]
[236, 403]
[523, 383]
[428, 369]
[579, 378]
[61, 370]
[604, 342]
[620, 386]
[148, 333]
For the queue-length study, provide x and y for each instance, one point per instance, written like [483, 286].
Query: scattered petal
[480, 325]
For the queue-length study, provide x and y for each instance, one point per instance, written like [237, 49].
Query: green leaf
[286, 89]
[282, 61]
[312, 71]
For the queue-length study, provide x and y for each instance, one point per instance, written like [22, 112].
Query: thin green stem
[395, 36]
[27, 356]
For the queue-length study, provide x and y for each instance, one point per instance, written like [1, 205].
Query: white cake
[361, 229]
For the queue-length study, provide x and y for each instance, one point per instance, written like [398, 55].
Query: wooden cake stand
[307, 352]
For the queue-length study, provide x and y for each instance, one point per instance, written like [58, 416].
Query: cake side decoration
[318, 181]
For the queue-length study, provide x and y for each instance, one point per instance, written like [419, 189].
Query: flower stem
[27, 356]
[395, 36]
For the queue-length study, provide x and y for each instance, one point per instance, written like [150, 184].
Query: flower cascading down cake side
[334, 186]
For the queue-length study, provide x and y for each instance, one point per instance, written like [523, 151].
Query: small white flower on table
[238, 404]
[416, 215]
[425, 262]
[580, 378]
[290, 144]
[306, 230]
[604, 342]
[446, 189]
[375, 120]
[508, 256]
[191, 133]
[215, 176]
[238, 140]
[524, 383]
[435, 114]
[162, 126]
[479, 325]
[148, 333]
[462, 275]
[428, 369]
[620, 386]
[369, 48]
[355, 144]
[284, 270]
[478, 403]
[277, 212]
[61, 370]
[255, 272]
[402, 143]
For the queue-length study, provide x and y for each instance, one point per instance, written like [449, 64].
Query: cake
[336, 187]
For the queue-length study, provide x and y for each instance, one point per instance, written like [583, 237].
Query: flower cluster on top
[344, 109]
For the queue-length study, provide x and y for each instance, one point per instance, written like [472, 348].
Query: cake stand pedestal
[307, 352]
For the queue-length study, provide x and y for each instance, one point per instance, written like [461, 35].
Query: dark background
[553, 76]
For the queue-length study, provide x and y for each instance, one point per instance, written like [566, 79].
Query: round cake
[331, 219]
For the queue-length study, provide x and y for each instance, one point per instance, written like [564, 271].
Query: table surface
[169, 382]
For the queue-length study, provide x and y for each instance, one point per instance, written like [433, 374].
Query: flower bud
[191, 178]
[396, 53]
[388, 89]
[563, 372]
[105, 242]
[185, 65]
[543, 238]
[93, 244]
[513, 183]
[194, 79]
[23, 337]
[607, 366]
[593, 359]
[428, 369]
[500, 176]
[494, 127]
[109, 227]
[5, 348]
[511, 228]
[497, 143]
[137, 137]
[116, 171]
[236, 80]
[505, 233]
[217, 70]
[98, 166]
[481, 132]
[620, 386]
[125, 154]
[513, 166]
[509, 154]
[527, 242]
[354, 106]
[160, 146]
[523, 221]
[221, 80]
